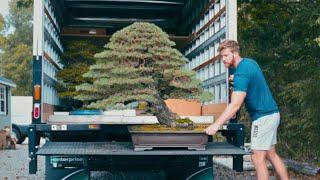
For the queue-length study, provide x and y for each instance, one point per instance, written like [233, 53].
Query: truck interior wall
[198, 21]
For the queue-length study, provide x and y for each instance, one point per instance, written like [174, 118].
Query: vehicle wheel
[17, 135]
[204, 174]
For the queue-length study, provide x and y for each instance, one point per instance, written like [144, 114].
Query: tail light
[36, 110]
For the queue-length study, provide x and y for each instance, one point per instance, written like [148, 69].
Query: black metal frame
[235, 136]
[37, 80]
[34, 141]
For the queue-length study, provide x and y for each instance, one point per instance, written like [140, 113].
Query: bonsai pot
[148, 137]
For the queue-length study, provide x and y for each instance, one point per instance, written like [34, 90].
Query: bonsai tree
[76, 59]
[140, 64]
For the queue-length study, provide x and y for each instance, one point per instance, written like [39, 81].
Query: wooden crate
[213, 109]
[184, 107]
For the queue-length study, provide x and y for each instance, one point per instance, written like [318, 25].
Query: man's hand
[212, 129]
[237, 99]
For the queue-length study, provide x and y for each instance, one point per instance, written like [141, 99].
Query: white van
[21, 116]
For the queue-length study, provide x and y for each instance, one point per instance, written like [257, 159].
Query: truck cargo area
[88, 143]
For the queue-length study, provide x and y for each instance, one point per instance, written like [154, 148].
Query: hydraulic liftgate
[233, 132]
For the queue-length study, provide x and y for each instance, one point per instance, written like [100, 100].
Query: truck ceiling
[115, 14]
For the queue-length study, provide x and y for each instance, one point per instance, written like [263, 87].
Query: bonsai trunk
[164, 114]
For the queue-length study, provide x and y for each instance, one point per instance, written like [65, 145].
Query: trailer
[82, 149]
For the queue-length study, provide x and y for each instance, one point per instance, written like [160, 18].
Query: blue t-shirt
[249, 78]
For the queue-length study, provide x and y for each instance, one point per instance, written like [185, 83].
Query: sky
[4, 8]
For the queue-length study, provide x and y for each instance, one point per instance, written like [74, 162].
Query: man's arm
[237, 99]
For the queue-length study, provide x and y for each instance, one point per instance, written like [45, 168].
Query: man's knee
[271, 154]
[257, 159]
[258, 156]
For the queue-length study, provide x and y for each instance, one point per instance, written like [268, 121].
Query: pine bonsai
[139, 64]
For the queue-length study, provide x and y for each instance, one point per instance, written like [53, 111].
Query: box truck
[74, 150]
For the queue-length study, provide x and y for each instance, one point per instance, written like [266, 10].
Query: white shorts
[264, 132]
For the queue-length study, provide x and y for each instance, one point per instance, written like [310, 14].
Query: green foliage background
[77, 57]
[284, 37]
[16, 47]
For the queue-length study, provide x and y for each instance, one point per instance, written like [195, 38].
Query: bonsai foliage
[76, 60]
[139, 64]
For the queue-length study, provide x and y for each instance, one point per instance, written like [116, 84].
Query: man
[251, 87]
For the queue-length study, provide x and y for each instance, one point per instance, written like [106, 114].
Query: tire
[22, 140]
[204, 174]
[16, 134]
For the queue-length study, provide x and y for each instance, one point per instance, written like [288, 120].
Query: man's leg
[259, 160]
[277, 163]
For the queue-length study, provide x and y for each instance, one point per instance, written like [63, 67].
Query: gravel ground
[14, 165]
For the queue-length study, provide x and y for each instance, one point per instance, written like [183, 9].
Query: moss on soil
[164, 128]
